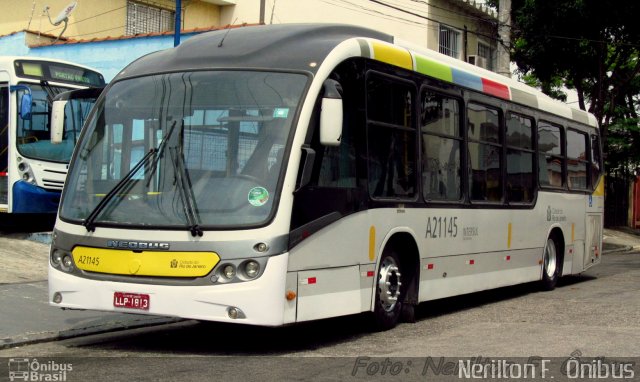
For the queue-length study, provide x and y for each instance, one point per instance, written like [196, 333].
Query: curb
[35, 338]
[622, 248]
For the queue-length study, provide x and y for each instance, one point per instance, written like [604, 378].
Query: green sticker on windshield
[280, 112]
[258, 196]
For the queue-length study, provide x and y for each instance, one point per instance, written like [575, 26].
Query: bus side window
[550, 155]
[441, 142]
[391, 138]
[520, 179]
[596, 160]
[485, 148]
[577, 161]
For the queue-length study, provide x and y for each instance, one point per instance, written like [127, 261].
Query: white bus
[32, 169]
[278, 174]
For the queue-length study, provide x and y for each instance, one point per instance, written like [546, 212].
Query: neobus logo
[137, 245]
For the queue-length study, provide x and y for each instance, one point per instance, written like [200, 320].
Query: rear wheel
[550, 265]
[389, 292]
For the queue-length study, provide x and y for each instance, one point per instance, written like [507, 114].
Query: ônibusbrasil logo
[25, 369]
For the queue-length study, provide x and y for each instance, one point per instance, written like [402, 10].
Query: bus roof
[10, 59]
[296, 46]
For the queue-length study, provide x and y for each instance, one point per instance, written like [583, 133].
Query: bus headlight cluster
[238, 271]
[25, 171]
[62, 260]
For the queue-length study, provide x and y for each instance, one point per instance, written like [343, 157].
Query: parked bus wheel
[550, 264]
[389, 292]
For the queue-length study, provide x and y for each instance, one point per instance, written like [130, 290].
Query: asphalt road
[596, 314]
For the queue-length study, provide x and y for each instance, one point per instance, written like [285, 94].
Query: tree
[591, 46]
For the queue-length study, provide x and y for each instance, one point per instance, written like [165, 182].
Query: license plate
[131, 300]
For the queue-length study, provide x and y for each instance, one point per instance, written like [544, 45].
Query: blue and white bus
[32, 168]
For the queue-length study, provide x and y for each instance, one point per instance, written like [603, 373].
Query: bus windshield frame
[185, 149]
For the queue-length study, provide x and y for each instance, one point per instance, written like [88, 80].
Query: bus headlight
[62, 260]
[56, 258]
[67, 263]
[229, 271]
[251, 269]
[25, 171]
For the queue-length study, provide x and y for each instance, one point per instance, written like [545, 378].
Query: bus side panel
[454, 275]
[328, 293]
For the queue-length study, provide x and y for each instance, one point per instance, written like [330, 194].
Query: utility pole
[504, 35]
[176, 29]
[262, 10]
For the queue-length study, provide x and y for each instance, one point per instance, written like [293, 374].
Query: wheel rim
[389, 284]
[550, 259]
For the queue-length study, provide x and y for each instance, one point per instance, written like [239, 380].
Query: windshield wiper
[163, 145]
[186, 192]
[89, 221]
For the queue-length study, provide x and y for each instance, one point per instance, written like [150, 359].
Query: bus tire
[388, 292]
[550, 264]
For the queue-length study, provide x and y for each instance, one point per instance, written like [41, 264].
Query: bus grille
[55, 185]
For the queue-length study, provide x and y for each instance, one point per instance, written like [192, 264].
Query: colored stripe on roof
[467, 80]
[392, 55]
[495, 88]
[524, 98]
[433, 68]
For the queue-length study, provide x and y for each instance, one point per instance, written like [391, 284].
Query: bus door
[4, 147]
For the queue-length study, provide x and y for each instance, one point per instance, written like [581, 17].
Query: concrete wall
[359, 12]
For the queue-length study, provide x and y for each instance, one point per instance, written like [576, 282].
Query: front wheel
[550, 265]
[388, 299]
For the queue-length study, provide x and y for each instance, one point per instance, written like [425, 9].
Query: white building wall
[365, 13]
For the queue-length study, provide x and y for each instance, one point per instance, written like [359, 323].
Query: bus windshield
[180, 149]
[33, 135]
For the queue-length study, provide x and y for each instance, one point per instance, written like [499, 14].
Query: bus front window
[185, 149]
[33, 134]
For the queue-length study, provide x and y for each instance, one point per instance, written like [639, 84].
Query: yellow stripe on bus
[509, 236]
[599, 190]
[392, 55]
[372, 243]
[145, 263]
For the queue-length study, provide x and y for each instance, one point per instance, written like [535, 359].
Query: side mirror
[25, 106]
[57, 121]
[331, 114]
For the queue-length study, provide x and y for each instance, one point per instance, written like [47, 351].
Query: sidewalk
[25, 314]
[26, 317]
[620, 239]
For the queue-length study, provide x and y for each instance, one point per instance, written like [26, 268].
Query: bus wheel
[550, 265]
[388, 301]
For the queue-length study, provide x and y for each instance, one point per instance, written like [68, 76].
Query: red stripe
[496, 89]
[3, 174]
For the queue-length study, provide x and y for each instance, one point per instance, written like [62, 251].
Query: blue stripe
[467, 80]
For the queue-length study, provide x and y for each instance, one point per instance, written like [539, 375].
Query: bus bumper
[260, 302]
[28, 198]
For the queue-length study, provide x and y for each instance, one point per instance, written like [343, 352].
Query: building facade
[107, 35]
